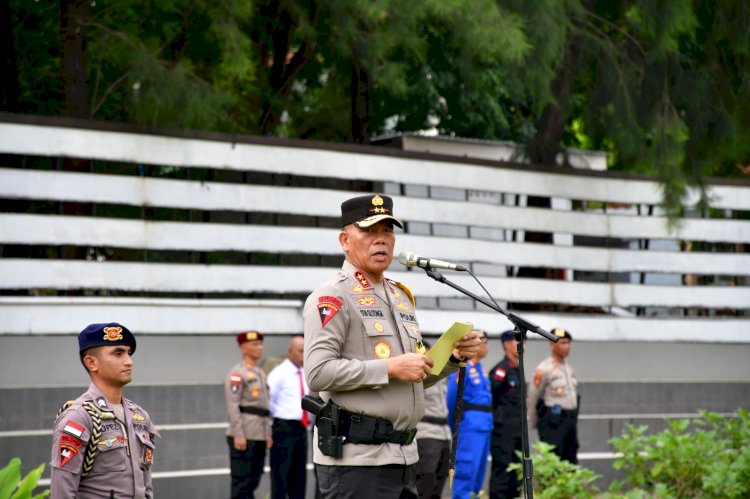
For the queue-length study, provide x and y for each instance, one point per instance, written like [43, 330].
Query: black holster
[328, 422]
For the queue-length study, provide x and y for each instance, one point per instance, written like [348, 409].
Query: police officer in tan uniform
[103, 443]
[249, 432]
[364, 355]
[553, 399]
[434, 442]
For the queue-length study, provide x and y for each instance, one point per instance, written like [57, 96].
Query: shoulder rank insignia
[362, 279]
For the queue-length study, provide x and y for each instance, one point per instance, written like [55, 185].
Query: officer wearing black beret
[102, 427]
[364, 354]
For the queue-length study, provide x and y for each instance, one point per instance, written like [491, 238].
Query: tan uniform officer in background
[553, 399]
[434, 442]
[249, 432]
[364, 354]
[103, 443]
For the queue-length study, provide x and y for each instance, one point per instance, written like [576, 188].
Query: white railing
[489, 251]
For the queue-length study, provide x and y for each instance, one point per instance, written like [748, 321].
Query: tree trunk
[73, 13]
[360, 104]
[9, 91]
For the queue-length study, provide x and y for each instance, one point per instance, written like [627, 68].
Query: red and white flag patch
[328, 307]
[74, 429]
[235, 380]
[499, 374]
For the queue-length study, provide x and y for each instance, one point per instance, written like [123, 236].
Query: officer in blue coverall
[475, 427]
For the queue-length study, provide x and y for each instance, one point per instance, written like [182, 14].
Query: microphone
[411, 259]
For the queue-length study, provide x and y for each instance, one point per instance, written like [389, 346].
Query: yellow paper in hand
[443, 348]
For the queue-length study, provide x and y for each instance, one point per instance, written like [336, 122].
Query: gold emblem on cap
[559, 332]
[112, 333]
[377, 201]
[251, 336]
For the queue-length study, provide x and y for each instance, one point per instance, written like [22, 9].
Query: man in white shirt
[287, 386]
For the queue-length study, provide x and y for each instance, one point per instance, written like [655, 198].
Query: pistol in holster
[329, 424]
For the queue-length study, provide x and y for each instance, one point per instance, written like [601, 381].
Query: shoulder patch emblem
[67, 452]
[382, 350]
[328, 307]
[235, 379]
[538, 375]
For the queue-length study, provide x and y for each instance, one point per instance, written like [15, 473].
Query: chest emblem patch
[382, 350]
[328, 307]
[138, 417]
[366, 301]
[378, 327]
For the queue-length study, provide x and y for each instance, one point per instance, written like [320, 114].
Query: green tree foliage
[661, 85]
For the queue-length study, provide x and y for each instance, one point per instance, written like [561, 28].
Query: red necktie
[302, 394]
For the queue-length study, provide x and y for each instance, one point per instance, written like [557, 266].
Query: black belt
[434, 420]
[258, 411]
[364, 429]
[475, 407]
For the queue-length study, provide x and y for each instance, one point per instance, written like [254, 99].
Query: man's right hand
[412, 367]
[240, 443]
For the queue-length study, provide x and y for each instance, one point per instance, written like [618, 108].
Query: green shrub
[11, 485]
[708, 457]
[555, 478]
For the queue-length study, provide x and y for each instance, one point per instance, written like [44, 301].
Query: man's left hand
[468, 346]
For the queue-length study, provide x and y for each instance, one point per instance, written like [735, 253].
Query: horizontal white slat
[33, 184]
[52, 315]
[143, 277]
[151, 149]
[44, 315]
[69, 230]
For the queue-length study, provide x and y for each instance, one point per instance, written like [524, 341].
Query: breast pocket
[379, 339]
[112, 456]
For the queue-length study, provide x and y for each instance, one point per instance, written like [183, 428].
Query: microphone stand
[521, 327]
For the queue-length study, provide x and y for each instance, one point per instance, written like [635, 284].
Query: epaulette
[407, 291]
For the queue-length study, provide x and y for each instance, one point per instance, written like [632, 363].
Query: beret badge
[112, 333]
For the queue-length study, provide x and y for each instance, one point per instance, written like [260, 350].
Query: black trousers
[246, 467]
[432, 468]
[505, 441]
[391, 481]
[561, 431]
[288, 459]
